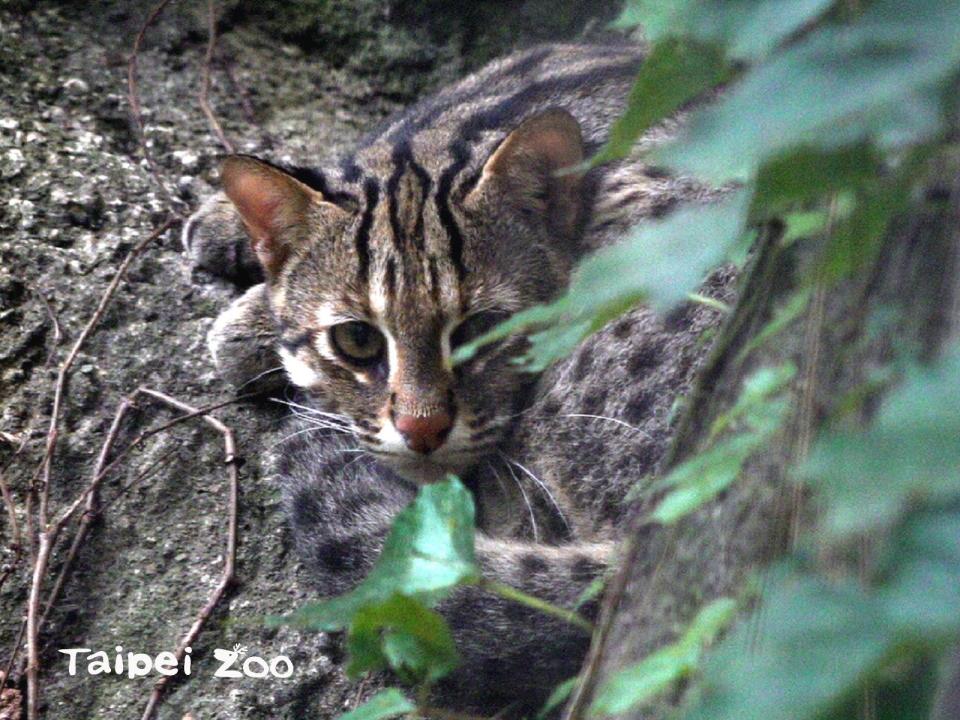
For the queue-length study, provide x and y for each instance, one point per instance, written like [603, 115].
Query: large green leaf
[638, 683]
[746, 28]
[806, 173]
[842, 84]
[821, 640]
[428, 553]
[660, 263]
[755, 417]
[385, 704]
[818, 640]
[403, 635]
[674, 73]
[912, 450]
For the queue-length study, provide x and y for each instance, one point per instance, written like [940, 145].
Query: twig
[226, 579]
[16, 536]
[152, 468]
[90, 494]
[65, 368]
[91, 504]
[48, 532]
[239, 91]
[245, 105]
[103, 469]
[57, 335]
[13, 656]
[16, 539]
[133, 98]
[589, 675]
[144, 436]
[204, 97]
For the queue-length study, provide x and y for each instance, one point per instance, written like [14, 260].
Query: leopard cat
[447, 219]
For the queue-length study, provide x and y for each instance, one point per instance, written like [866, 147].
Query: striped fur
[445, 219]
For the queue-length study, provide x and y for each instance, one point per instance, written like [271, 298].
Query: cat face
[376, 285]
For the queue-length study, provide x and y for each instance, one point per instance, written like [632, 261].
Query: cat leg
[242, 342]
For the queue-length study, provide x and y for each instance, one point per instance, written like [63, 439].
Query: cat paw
[215, 241]
[242, 344]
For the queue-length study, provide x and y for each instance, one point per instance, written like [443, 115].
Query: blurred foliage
[823, 637]
[831, 112]
[666, 666]
[754, 419]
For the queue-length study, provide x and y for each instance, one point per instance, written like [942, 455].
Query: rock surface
[75, 197]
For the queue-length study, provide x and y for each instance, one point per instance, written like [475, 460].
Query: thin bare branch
[46, 534]
[227, 577]
[204, 97]
[133, 98]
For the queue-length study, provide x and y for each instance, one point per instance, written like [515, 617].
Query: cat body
[448, 218]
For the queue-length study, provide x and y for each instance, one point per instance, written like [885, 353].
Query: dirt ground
[75, 197]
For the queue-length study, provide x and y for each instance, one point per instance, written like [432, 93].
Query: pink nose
[424, 434]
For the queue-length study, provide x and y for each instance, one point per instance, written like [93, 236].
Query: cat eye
[358, 342]
[475, 326]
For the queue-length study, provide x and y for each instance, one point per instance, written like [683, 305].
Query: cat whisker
[304, 410]
[361, 454]
[310, 430]
[526, 500]
[542, 485]
[610, 419]
[256, 377]
[322, 422]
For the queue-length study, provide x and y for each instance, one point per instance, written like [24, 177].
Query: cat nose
[424, 434]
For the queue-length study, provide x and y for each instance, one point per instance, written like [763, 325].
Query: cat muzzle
[424, 434]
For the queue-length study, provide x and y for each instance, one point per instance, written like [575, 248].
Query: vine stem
[511, 593]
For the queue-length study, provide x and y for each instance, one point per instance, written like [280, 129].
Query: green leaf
[709, 622]
[661, 262]
[749, 29]
[428, 552]
[385, 704]
[911, 451]
[403, 635]
[842, 84]
[593, 591]
[658, 17]
[818, 640]
[745, 28]
[703, 476]
[761, 385]
[823, 640]
[783, 318]
[926, 555]
[672, 74]
[559, 696]
[857, 238]
[634, 685]
[806, 173]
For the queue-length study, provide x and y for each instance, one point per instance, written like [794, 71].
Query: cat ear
[271, 203]
[528, 164]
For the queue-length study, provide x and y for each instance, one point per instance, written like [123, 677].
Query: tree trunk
[667, 573]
